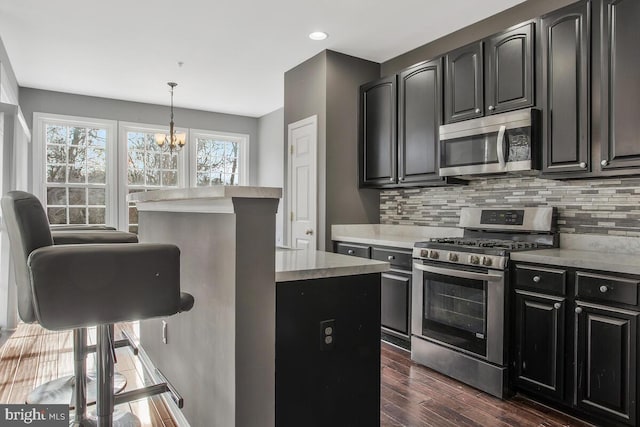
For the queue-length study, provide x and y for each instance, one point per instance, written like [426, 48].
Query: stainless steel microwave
[507, 142]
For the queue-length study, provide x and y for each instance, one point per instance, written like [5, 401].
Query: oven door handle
[500, 147]
[488, 277]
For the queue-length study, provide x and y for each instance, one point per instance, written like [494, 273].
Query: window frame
[123, 184]
[243, 158]
[40, 122]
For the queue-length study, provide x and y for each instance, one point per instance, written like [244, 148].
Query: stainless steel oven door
[460, 308]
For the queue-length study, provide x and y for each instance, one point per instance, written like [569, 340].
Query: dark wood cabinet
[395, 288]
[509, 79]
[378, 144]
[564, 81]
[419, 120]
[464, 81]
[540, 343]
[619, 35]
[606, 358]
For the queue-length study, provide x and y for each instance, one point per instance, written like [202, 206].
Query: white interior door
[303, 183]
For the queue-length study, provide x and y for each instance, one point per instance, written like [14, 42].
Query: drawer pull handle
[603, 289]
[557, 306]
[536, 279]
[350, 252]
[578, 310]
[391, 257]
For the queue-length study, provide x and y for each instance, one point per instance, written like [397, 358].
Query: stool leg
[80, 376]
[104, 355]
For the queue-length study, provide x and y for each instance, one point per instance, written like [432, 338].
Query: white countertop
[614, 262]
[398, 236]
[213, 199]
[293, 264]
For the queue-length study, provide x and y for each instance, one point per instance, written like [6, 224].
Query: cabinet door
[606, 358]
[378, 133]
[394, 300]
[509, 79]
[463, 87]
[540, 342]
[419, 120]
[565, 89]
[620, 86]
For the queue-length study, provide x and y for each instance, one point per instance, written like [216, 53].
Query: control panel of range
[463, 258]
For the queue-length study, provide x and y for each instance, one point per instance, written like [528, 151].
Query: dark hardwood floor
[411, 395]
[415, 396]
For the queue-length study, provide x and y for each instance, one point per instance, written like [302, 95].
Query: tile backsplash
[595, 206]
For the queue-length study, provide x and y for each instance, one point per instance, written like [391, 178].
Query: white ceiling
[235, 52]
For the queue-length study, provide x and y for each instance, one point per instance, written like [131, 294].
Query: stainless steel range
[459, 293]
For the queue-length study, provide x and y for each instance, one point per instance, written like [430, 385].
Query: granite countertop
[212, 192]
[295, 264]
[618, 254]
[398, 236]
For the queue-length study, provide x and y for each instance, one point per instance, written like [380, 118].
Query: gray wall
[496, 23]
[346, 204]
[327, 85]
[271, 160]
[6, 63]
[305, 95]
[44, 101]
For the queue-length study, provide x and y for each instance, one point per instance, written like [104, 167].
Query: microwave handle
[500, 147]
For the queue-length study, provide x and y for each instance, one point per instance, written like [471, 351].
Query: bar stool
[82, 285]
[64, 390]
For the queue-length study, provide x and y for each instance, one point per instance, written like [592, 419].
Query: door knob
[578, 310]
[308, 232]
[557, 306]
[350, 251]
[536, 279]
[477, 111]
[604, 289]
[491, 108]
[605, 162]
[583, 165]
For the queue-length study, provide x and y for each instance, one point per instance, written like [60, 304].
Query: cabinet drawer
[607, 288]
[395, 257]
[361, 251]
[543, 279]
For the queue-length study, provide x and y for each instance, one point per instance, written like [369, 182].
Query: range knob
[474, 259]
[487, 261]
[453, 257]
[424, 253]
[434, 254]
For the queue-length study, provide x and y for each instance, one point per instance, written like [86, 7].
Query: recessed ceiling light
[318, 35]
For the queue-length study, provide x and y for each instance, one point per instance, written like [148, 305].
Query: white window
[74, 169]
[219, 158]
[146, 166]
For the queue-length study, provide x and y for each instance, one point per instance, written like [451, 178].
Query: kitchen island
[222, 355]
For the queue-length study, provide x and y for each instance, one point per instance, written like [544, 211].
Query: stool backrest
[28, 228]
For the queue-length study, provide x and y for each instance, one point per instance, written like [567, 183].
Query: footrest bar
[126, 342]
[140, 393]
[173, 392]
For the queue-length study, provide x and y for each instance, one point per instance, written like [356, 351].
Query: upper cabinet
[419, 120]
[564, 49]
[619, 58]
[378, 142]
[463, 92]
[491, 76]
[402, 149]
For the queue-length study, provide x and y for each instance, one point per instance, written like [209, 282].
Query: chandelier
[174, 141]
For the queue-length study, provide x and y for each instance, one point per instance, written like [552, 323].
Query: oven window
[455, 312]
[470, 150]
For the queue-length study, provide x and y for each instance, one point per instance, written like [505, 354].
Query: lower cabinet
[606, 357]
[395, 288]
[577, 345]
[540, 326]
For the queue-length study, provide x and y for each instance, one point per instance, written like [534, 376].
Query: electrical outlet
[164, 331]
[399, 208]
[327, 334]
